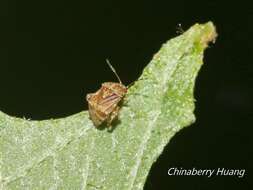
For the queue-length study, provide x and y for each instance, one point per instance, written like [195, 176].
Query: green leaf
[70, 153]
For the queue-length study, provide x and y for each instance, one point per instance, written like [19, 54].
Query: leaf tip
[209, 35]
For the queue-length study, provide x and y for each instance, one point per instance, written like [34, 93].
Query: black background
[52, 53]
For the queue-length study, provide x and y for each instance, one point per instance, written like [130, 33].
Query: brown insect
[104, 104]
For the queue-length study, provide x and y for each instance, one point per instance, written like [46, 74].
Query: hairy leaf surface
[70, 153]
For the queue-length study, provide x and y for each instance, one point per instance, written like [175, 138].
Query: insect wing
[109, 101]
[95, 117]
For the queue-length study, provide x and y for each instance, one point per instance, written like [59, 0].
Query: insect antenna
[113, 70]
[131, 84]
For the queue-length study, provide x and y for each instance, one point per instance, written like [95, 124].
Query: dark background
[52, 53]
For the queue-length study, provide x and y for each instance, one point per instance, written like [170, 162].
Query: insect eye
[88, 96]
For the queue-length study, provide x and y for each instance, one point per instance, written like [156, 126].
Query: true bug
[104, 104]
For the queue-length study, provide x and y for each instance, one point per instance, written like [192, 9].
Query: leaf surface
[70, 153]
